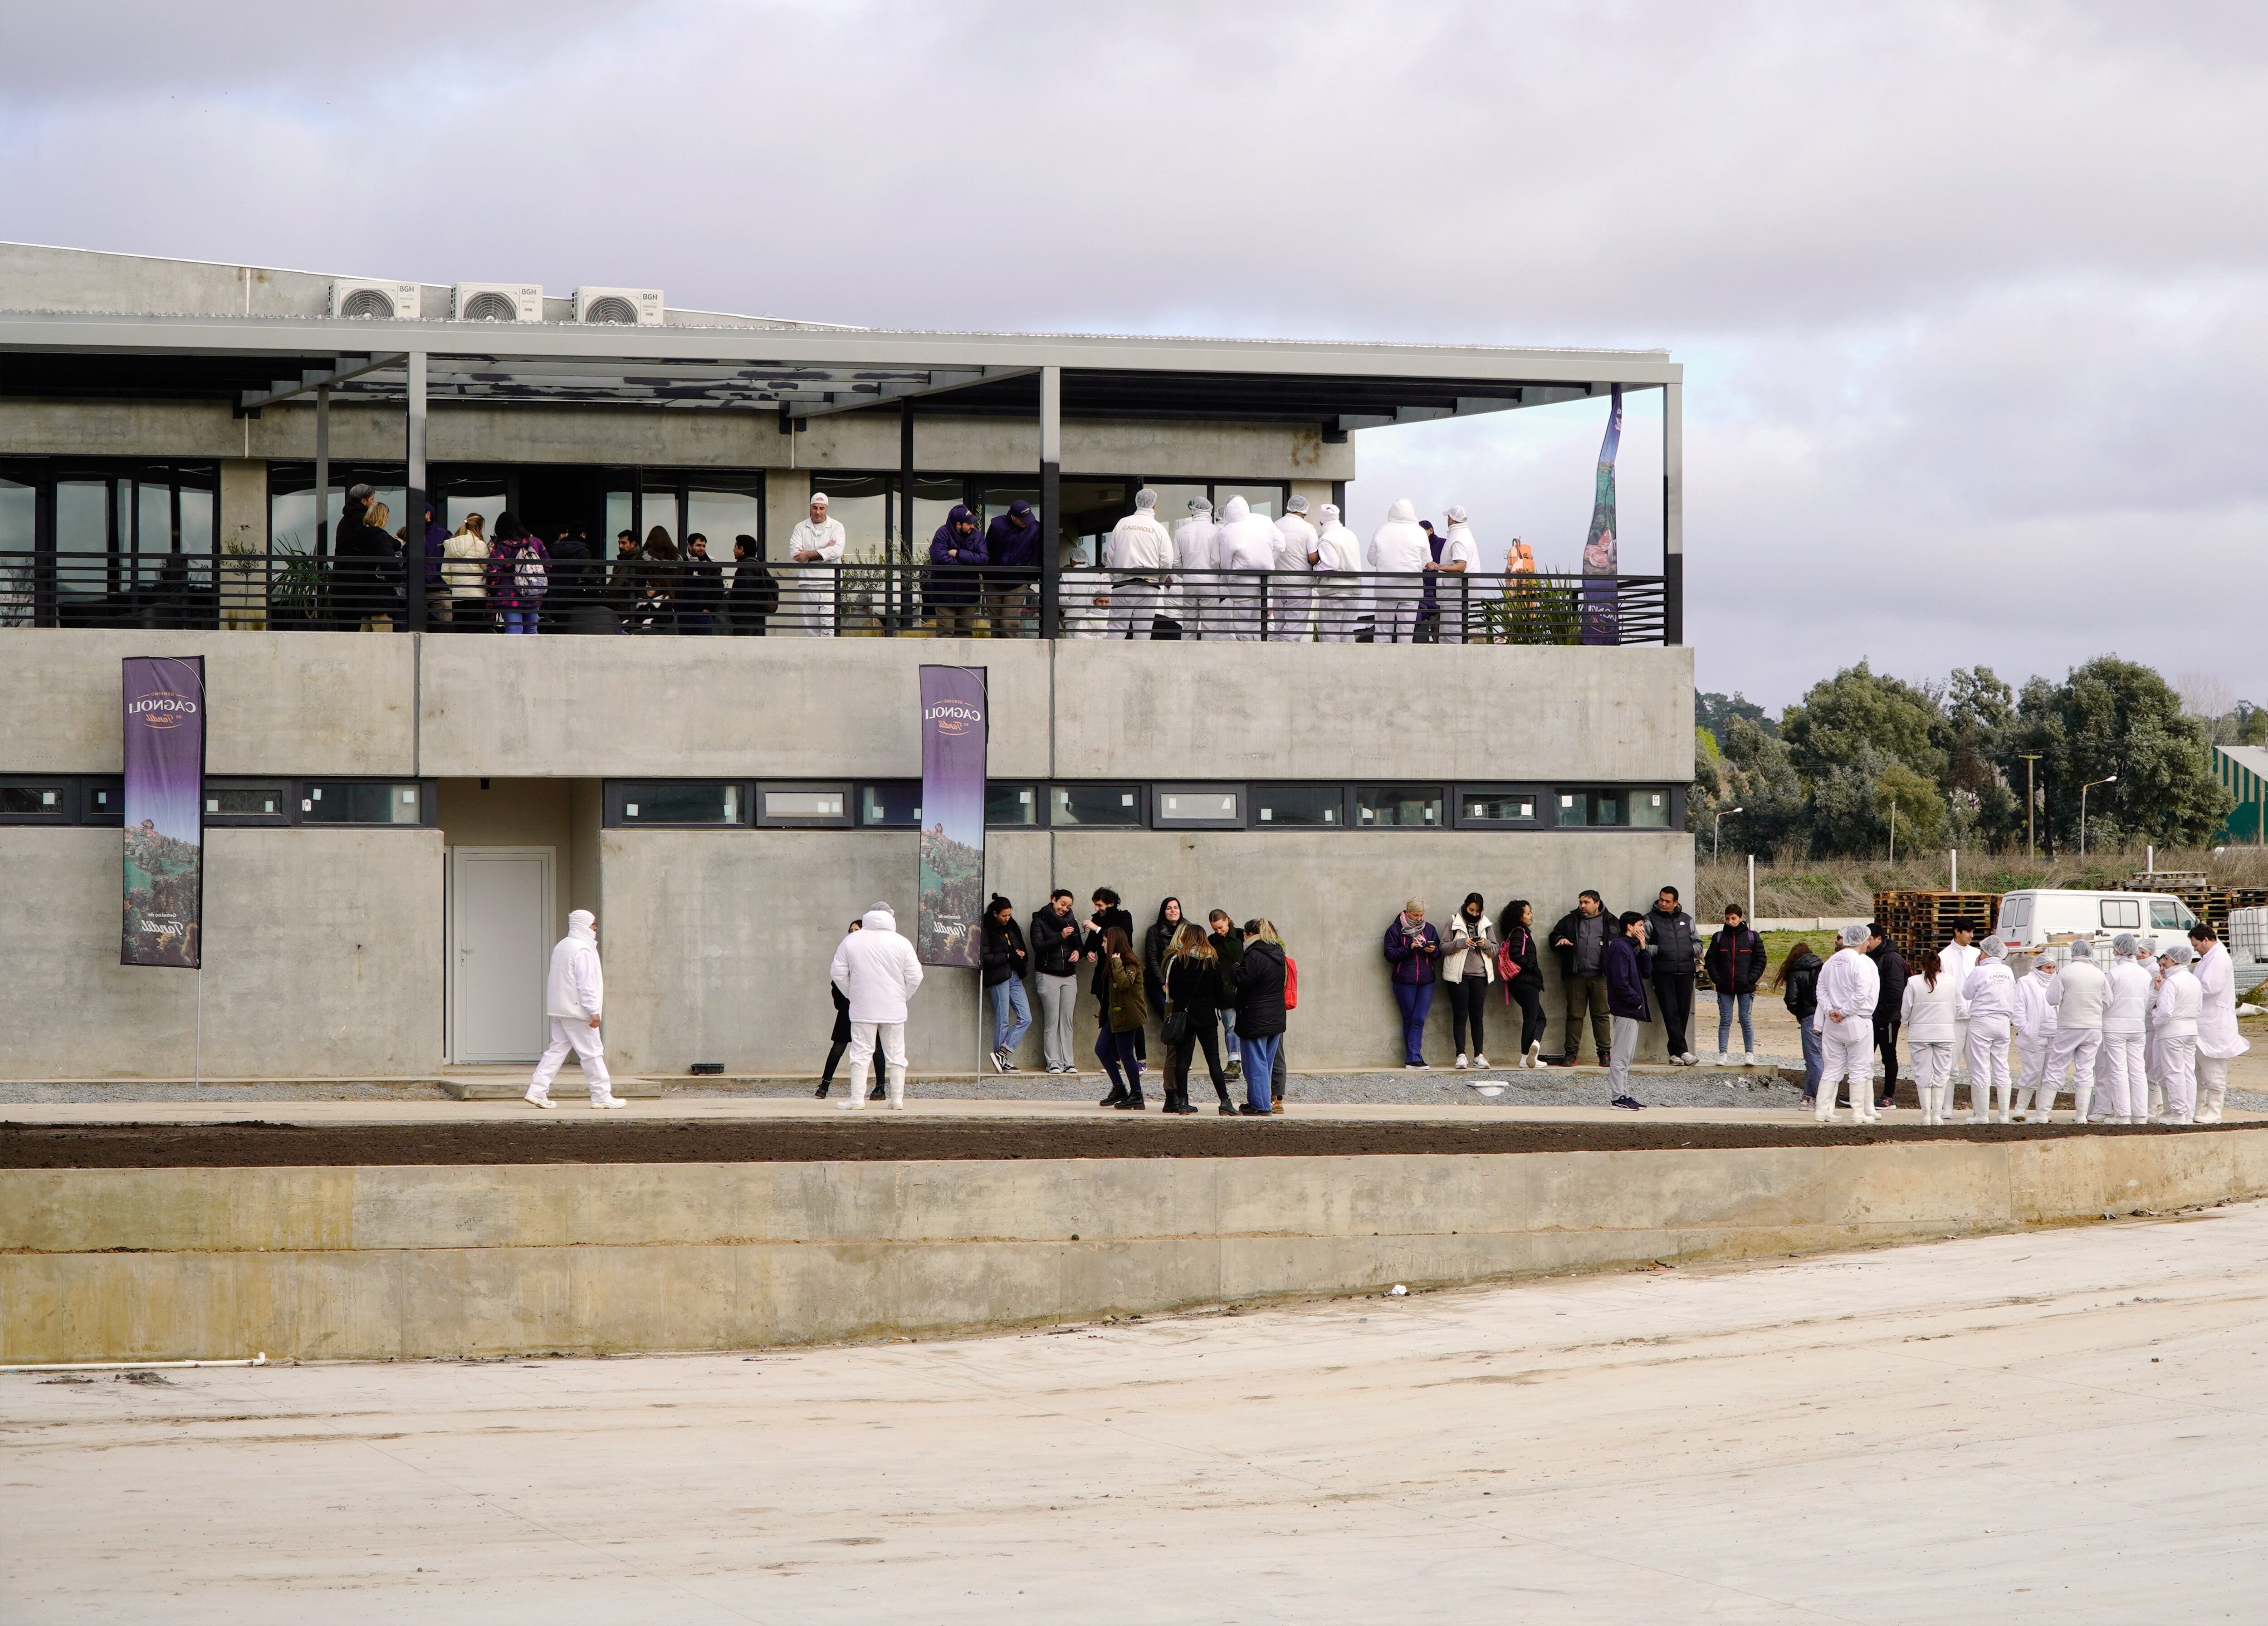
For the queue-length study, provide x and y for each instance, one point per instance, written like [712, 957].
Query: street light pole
[2031, 846]
[2083, 789]
[1716, 832]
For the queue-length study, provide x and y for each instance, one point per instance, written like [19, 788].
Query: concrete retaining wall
[377, 1263]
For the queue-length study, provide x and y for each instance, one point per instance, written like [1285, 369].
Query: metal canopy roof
[254, 362]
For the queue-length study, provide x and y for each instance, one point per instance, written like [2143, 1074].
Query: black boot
[1181, 1107]
[1117, 1094]
[1227, 1106]
[821, 1092]
[878, 1093]
[1133, 1102]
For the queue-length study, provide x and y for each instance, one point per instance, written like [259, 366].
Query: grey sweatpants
[1058, 1013]
[1619, 1059]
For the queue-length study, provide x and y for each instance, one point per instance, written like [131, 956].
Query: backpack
[1291, 983]
[1507, 968]
[529, 577]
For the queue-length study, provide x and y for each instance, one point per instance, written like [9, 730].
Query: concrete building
[398, 826]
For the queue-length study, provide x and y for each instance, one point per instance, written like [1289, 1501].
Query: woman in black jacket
[1157, 943]
[1736, 965]
[1798, 977]
[1522, 969]
[1108, 916]
[1193, 1005]
[1259, 1018]
[1005, 959]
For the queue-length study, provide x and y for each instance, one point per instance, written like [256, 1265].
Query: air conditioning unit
[630, 306]
[496, 301]
[395, 301]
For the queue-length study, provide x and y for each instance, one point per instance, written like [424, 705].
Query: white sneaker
[609, 1105]
[1748, 1059]
[1536, 1054]
[850, 1105]
[1689, 1059]
[897, 1106]
[1480, 1064]
[536, 1097]
[1462, 1063]
[1724, 1060]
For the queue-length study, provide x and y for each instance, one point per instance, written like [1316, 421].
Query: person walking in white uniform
[1290, 595]
[1927, 1012]
[1139, 553]
[1460, 555]
[2179, 999]
[1990, 993]
[877, 972]
[1247, 543]
[2034, 1031]
[573, 994]
[2127, 991]
[1341, 601]
[1959, 957]
[1398, 548]
[1849, 985]
[810, 593]
[2079, 995]
[2217, 1042]
[1197, 555]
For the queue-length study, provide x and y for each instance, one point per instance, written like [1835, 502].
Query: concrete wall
[322, 951]
[379, 1263]
[519, 813]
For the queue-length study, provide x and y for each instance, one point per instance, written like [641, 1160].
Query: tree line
[1950, 757]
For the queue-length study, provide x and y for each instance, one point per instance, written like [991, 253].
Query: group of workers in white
[1327, 583]
[2146, 1038]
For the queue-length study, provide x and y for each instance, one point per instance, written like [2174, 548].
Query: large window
[1010, 806]
[1299, 807]
[1095, 805]
[1379, 807]
[1494, 806]
[37, 802]
[111, 543]
[361, 801]
[1618, 807]
[676, 803]
[1198, 807]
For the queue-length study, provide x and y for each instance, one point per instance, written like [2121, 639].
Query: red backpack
[1291, 983]
[1507, 968]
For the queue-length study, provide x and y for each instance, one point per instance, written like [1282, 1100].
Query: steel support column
[1050, 502]
[1672, 513]
[901, 590]
[412, 549]
[322, 471]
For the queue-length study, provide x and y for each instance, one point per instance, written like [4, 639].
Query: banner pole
[197, 1067]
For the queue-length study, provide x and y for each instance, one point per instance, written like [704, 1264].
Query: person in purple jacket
[1013, 539]
[1626, 979]
[1414, 950]
[952, 588]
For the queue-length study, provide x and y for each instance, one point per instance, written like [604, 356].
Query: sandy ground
[2059, 1426]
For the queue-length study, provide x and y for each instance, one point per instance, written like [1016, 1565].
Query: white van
[2031, 919]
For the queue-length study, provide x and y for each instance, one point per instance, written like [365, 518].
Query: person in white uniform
[2179, 999]
[1247, 543]
[2034, 1032]
[1398, 549]
[573, 994]
[2079, 995]
[809, 594]
[1139, 555]
[1928, 1012]
[1197, 555]
[1959, 957]
[877, 972]
[1341, 599]
[1460, 604]
[2153, 1052]
[2218, 1043]
[1290, 595]
[2127, 991]
[1849, 985]
[1990, 993]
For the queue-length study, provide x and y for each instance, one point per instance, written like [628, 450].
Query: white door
[500, 938]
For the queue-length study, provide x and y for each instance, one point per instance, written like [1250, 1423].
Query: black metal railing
[646, 597]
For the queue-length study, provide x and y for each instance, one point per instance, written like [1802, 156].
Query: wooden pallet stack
[1918, 919]
[2208, 903]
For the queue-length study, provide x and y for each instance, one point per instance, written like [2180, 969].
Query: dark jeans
[1673, 991]
[1588, 994]
[1202, 1033]
[1530, 997]
[1417, 1002]
[1886, 1040]
[1468, 1000]
[1117, 1051]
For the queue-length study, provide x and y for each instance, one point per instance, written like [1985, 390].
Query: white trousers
[2073, 1056]
[1932, 1063]
[2031, 1070]
[2181, 1061]
[892, 1037]
[2125, 1086]
[2211, 1087]
[809, 594]
[576, 1034]
[1291, 610]
[1396, 611]
[1134, 605]
[1848, 1049]
[1237, 617]
[1988, 1070]
[1338, 614]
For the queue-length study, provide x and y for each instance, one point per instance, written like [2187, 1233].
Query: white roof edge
[2252, 756]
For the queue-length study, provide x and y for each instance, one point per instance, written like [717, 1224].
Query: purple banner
[164, 702]
[954, 741]
[1601, 610]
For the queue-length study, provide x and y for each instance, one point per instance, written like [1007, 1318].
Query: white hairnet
[1200, 505]
[2082, 950]
[1330, 514]
[2179, 953]
[2123, 945]
[1403, 510]
[1298, 504]
[1993, 949]
[1851, 936]
[1456, 516]
[1145, 499]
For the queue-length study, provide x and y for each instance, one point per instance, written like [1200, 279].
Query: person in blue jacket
[1012, 540]
[1626, 979]
[952, 589]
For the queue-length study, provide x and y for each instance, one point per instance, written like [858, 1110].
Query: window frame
[1541, 820]
[618, 793]
[288, 792]
[67, 799]
[1258, 790]
[1440, 787]
[864, 822]
[847, 819]
[428, 804]
[1141, 810]
[1158, 793]
[1039, 790]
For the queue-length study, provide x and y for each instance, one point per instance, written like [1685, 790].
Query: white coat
[2179, 1001]
[1462, 547]
[1990, 991]
[1930, 1015]
[1246, 541]
[2218, 1039]
[2080, 994]
[876, 969]
[577, 987]
[2036, 1020]
[807, 591]
[1850, 983]
[1340, 548]
[1197, 545]
[1295, 541]
[2128, 987]
[1399, 545]
[1958, 963]
[1139, 543]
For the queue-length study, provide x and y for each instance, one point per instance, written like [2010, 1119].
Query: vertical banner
[1602, 611]
[953, 743]
[164, 902]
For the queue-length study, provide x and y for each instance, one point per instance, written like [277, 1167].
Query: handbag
[1176, 1028]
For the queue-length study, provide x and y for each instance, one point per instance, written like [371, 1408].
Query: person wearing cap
[1460, 555]
[1012, 543]
[816, 545]
[363, 553]
[2128, 988]
[1340, 601]
[1990, 993]
[1140, 555]
[952, 588]
[1849, 986]
[2079, 995]
[573, 993]
[2219, 1042]
[1197, 552]
[2180, 1000]
[1290, 595]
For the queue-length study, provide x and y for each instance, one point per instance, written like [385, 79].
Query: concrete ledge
[405, 1262]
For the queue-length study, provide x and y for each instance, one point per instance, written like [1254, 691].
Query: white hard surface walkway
[2060, 1426]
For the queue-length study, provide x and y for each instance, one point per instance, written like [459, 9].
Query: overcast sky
[1969, 298]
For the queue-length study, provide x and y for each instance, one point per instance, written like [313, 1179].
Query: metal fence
[647, 598]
